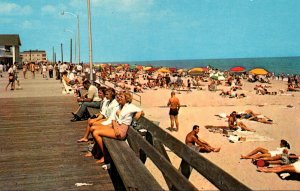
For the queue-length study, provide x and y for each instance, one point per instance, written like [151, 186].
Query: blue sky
[144, 30]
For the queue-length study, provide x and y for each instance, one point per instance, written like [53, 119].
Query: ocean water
[278, 65]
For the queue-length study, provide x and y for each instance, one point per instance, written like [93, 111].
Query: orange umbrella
[258, 71]
[163, 70]
[196, 71]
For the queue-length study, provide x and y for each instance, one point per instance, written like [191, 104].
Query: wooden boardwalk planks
[38, 149]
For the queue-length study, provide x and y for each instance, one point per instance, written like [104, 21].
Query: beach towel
[242, 136]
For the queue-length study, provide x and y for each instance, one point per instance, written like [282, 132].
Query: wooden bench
[132, 173]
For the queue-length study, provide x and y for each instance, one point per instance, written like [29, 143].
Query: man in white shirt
[90, 99]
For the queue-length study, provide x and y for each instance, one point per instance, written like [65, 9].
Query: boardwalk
[38, 142]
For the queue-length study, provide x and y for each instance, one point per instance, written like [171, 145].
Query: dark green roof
[10, 39]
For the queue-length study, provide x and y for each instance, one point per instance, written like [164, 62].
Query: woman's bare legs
[91, 123]
[105, 132]
[283, 168]
[254, 152]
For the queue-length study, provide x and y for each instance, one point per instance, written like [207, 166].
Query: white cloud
[49, 9]
[27, 25]
[14, 9]
[121, 5]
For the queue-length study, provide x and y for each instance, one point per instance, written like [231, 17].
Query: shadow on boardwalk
[39, 149]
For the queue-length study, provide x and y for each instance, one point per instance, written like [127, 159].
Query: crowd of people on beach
[116, 110]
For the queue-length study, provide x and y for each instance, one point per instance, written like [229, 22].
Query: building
[34, 56]
[10, 48]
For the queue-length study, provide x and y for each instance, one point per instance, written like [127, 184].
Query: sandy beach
[201, 108]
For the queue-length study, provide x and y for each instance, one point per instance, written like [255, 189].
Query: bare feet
[82, 140]
[245, 157]
[100, 161]
[88, 154]
[217, 149]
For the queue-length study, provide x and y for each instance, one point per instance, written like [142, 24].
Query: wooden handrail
[209, 170]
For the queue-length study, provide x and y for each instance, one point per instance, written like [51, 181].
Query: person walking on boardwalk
[174, 105]
[11, 78]
[197, 144]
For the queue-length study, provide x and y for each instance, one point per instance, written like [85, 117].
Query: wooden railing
[151, 145]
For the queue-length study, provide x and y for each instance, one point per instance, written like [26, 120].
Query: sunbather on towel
[234, 124]
[260, 152]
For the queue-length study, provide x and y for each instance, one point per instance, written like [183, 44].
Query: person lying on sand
[197, 144]
[281, 159]
[260, 152]
[292, 88]
[293, 168]
[234, 124]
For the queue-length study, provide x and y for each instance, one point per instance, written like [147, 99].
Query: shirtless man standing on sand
[202, 146]
[174, 105]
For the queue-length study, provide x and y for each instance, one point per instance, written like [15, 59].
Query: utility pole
[71, 51]
[53, 55]
[62, 53]
[90, 41]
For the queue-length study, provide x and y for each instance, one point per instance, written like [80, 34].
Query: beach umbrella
[181, 70]
[173, 70]
[146, 68]
[237, 69]
[152, 69]
[163, 70]
[139, 67]
[258, 71]
[195, 71]
[119, 67]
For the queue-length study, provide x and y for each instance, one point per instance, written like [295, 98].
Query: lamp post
[70, 31]
[90, 40]
[78, 30]
[62, 53]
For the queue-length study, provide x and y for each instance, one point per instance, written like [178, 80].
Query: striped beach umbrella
[258, 71]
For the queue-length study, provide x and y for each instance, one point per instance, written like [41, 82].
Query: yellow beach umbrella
[196, 70]
[258, 71]
[163, 70]
[146, 68]
[119, 67]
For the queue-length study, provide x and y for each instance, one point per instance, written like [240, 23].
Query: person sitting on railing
[116, 126]
[197, 144]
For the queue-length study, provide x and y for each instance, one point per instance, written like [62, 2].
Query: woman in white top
[108, 106]
[117, 124]
[262, 152]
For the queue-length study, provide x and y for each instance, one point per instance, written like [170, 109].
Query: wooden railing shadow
[150, 143]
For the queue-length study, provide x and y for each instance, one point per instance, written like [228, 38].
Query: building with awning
[10, 48]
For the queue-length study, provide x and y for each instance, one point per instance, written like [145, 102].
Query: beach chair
[66, 88]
